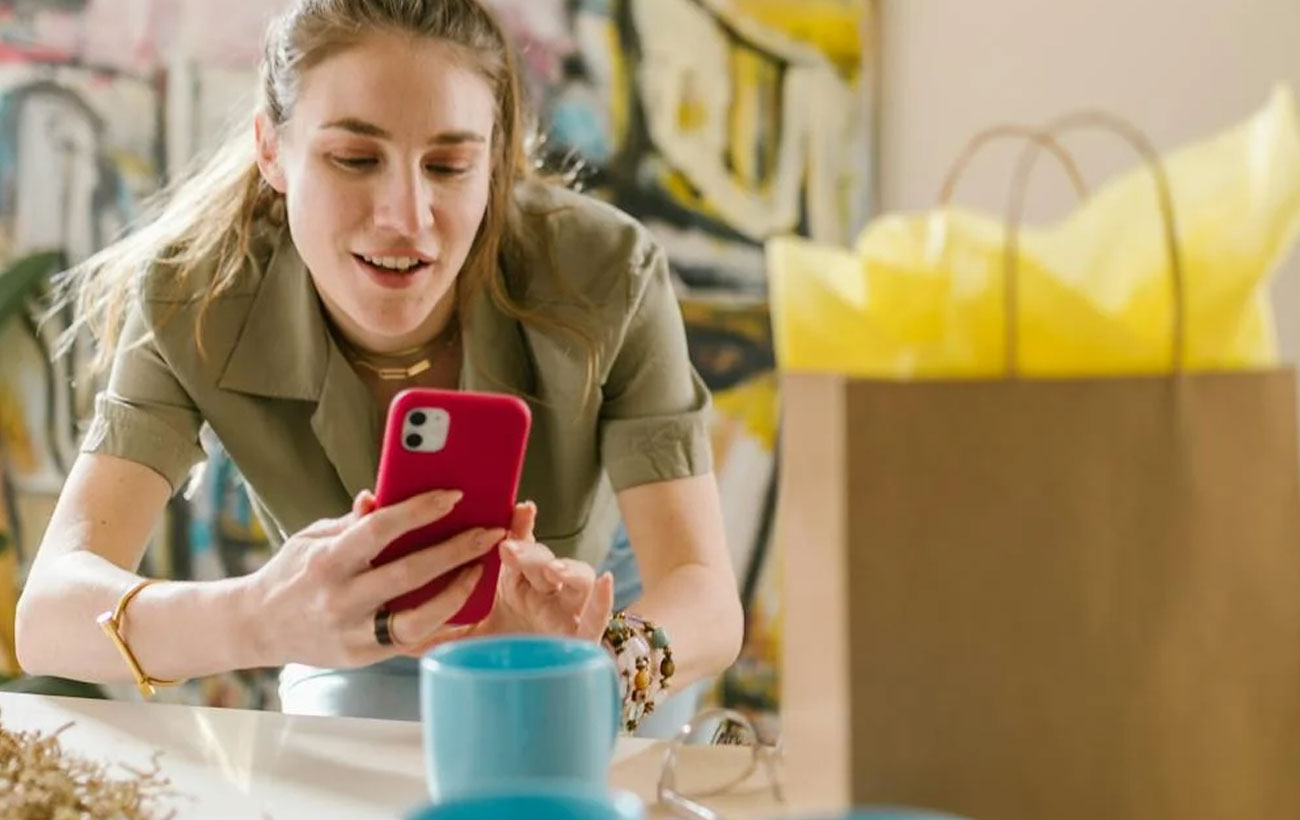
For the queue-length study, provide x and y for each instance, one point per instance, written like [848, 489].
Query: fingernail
[443, 502]
[555, 576]
[487, 538]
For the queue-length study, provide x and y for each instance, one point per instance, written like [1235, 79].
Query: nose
[405, 205]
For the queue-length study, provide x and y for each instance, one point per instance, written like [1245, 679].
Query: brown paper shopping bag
[1069, 599]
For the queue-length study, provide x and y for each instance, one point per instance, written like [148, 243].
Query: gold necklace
[393, 374]
[390, 373]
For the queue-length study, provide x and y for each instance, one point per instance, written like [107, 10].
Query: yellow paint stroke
[15, 437]
[746, 116]
[8, 612]
[692, 111]
[754, 129]
[132, 165]
[834, 27]
[755, 117]
[679, 189]
[754, 403]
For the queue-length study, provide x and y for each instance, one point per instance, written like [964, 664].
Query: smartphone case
[453, 440]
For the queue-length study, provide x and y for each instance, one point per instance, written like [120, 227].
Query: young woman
[378, 229]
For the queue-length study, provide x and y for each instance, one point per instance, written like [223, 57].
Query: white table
[232, 763]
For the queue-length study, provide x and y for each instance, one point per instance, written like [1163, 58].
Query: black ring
[383, 619]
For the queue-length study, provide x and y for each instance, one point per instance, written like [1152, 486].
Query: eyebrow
[369, 129]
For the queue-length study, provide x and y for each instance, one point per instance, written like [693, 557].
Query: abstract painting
[718, 124]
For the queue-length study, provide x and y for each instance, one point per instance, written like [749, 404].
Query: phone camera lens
[414, 440]
[418, 419]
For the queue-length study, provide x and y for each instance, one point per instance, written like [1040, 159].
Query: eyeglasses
[682, 786]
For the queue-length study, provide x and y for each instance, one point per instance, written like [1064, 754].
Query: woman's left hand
[540, 594]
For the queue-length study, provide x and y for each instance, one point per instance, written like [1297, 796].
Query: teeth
[398, 263]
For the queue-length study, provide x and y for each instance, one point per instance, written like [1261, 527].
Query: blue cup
[502, 714]
[543, 803]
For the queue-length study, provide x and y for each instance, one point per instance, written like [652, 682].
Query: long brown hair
[211, 215]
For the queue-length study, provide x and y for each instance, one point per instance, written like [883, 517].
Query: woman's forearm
[701, 614]
[676, 531]
[175, 630]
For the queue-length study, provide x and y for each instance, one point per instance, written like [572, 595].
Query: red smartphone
[453, 440]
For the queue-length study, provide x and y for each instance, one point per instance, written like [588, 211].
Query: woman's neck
[440, 323]
[433, 359]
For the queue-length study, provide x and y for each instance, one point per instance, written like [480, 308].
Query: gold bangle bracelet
[111, 623]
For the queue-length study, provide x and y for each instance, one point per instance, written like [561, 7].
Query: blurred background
[719, 123]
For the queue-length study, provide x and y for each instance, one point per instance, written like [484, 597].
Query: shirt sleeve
[655, 406]
[144, 414]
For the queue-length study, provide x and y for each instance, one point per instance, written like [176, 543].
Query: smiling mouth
[393, 264]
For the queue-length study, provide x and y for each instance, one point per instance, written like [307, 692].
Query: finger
[525, 518]
[600, 606]
[369, 535]
[325, 528]
[577, 579]
[530, 559]
[364, 504]
[410, 572]
[544, 613]
[559, 612]
[364, 646]
[511, 582]
[422, 624]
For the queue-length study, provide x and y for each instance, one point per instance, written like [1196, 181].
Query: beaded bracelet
[644, 660]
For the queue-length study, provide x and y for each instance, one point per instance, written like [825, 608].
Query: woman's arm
[688, 584]
[96, 538]
[314, 602]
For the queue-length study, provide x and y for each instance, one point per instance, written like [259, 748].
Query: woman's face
[385, 166]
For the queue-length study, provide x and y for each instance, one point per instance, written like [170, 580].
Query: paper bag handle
[1010, 131]
[1015, 213]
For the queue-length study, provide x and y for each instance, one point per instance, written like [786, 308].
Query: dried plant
[39, 780]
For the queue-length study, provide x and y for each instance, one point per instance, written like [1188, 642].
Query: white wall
[1180, 69]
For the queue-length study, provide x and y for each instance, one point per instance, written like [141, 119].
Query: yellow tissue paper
[921, 295]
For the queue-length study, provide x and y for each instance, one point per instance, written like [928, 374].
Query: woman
[377, 230]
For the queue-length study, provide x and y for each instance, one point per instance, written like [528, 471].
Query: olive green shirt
[305, 433]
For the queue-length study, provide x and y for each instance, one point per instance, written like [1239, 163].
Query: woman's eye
[356, 162]
[448, 170]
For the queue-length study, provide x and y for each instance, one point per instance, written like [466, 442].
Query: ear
[268, 152]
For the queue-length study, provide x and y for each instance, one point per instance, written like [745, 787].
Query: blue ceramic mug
[541, 803]
[503, 713]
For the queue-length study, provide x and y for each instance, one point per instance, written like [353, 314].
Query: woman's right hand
[314, 602]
